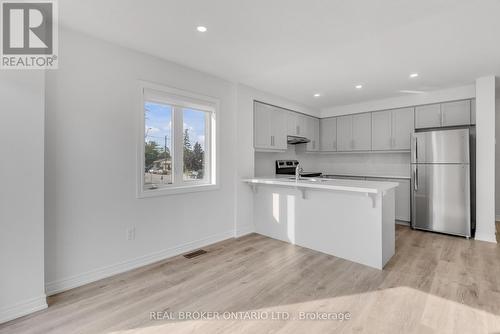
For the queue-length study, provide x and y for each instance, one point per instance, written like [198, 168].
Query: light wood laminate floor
[434, 284]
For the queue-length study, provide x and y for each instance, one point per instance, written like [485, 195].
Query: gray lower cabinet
[402, 197]
[402, 194]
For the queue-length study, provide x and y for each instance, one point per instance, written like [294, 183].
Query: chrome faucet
[298, 170]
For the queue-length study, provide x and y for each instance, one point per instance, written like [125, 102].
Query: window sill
[177, 190]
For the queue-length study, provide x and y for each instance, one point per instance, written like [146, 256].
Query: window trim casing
[188, 100]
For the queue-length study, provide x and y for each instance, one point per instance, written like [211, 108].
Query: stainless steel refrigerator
[441, 181]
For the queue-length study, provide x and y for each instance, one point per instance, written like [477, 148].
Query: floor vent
[195, 253]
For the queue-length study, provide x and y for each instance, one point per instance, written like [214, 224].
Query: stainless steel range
[287, 167]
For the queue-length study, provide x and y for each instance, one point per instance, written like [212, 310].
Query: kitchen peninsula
[350, 219]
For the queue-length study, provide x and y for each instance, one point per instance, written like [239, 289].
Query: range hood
[294, 140]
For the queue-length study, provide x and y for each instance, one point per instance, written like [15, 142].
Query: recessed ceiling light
[317, 95]
[201, 28]
[413, 75]
[359, 86]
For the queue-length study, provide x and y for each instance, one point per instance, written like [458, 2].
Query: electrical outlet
[131, 233]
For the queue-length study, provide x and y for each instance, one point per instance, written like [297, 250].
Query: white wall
[456, 93]
[21, 197]
[91, 139]
[485, 159]
[245, 155]
[497, 151]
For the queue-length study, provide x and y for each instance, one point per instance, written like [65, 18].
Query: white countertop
[371, 176]
[371, 187]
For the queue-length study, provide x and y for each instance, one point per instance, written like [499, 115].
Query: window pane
[194, 144]
[157, 145]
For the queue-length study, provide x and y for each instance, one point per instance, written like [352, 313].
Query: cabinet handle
[298, 130]
[272, 140]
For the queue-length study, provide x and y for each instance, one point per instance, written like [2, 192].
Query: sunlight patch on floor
[409, 311]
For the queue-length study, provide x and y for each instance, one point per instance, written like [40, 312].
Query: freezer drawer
[440, 146]
[441, 198]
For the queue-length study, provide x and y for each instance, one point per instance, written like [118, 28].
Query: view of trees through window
[194, 144]
[158, 145]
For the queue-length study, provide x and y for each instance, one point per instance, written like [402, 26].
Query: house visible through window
[179, 140]
[157, 145]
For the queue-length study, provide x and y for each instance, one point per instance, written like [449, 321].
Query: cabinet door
[312, 134]
[278, 128]
[292, 123]
[428, 116]
[382, 130]
[344, 133]
[402, 128]
[328, 134]
[301, 125]
[455, 113]
[262, 125]
[362, 132]
[402, 195]
[473, 111]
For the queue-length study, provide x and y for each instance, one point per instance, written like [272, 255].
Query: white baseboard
[402, 222]
[487, 238]
[244, 230]
[64, 284]
[23, 308]
[497, 218]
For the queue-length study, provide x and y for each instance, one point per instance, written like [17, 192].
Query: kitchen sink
[312, 179]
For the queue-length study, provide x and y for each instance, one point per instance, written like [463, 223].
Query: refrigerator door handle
[416, 150]
[415, 178]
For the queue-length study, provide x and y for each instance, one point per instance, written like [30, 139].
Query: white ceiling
[295, 48]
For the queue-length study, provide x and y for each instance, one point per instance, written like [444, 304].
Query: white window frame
[179, 99]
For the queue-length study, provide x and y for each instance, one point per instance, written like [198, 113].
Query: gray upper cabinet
[445, 114]
[428, 116]
[262, 126]
[382, 130]
[455, 113]
[391, 129]
[270, 126]
[344, 133]
[312, 134]
[296, 124]
[362, 132]
[402, 128]
[292, 127]
[278, 128]
[328, 134]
